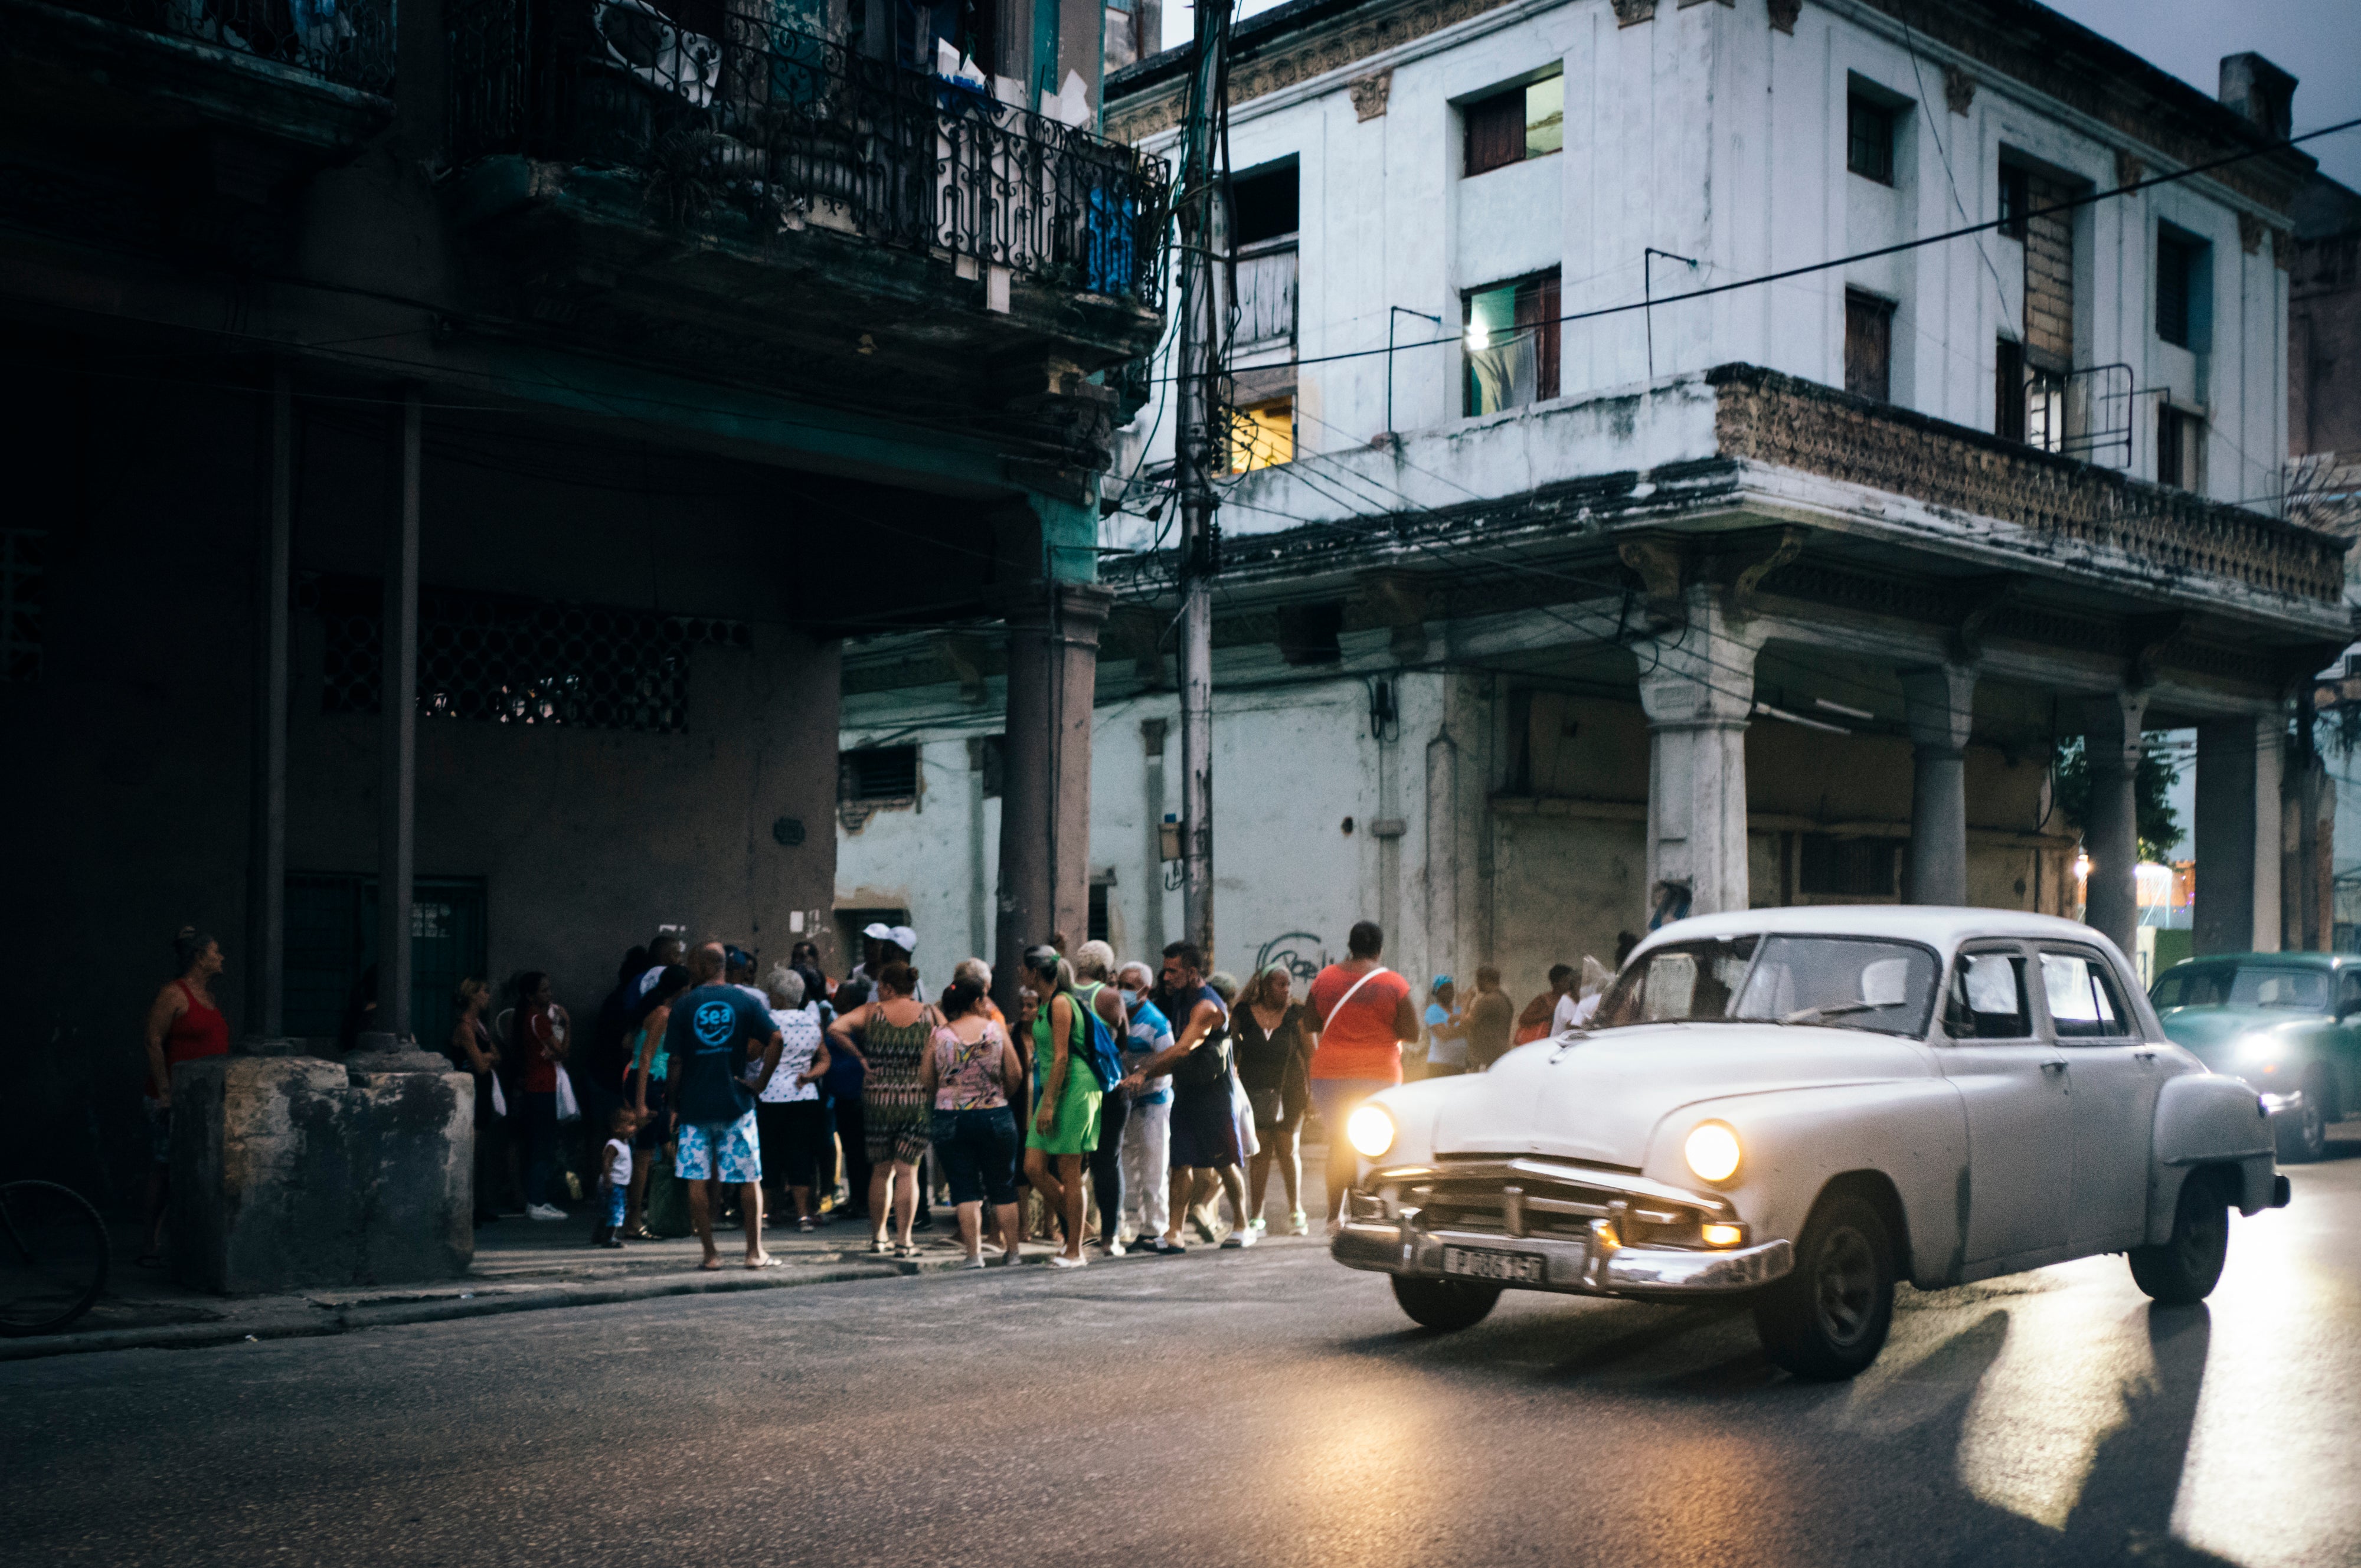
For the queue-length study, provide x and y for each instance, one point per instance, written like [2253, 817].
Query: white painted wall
[1709, 134]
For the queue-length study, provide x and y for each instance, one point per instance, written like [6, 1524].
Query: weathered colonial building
[447, 444]
[1547, 612]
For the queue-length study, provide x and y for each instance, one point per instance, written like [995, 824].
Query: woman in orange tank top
[185, 1023]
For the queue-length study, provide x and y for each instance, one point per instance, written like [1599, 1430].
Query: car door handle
[2053, 1066]
[2145, 1056]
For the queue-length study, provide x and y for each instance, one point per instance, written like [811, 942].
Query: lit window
[1262, 436]
[1512, 343]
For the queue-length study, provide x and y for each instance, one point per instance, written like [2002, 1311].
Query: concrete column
[2110, 743]
[266, 956]
[2237, 834]
[1938, 703]
[398, 738]
[1045, 800]
[1151, 744]
[1697, 685]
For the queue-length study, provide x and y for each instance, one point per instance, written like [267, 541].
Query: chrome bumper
[1570, 1265]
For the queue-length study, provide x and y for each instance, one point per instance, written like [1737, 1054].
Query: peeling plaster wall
[1707, 133]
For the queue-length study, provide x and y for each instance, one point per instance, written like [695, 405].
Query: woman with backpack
[1066, 1096]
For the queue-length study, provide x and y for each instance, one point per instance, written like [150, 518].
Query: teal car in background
[2289, 1024]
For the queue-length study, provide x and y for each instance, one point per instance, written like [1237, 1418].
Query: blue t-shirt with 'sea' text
[708, 1039]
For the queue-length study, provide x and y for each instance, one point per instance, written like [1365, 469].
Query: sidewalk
[520, 1266]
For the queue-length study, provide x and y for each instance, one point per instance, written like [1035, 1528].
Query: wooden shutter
[1495, 132]
[2008, 390]
[1537, 309]
[1869, 346]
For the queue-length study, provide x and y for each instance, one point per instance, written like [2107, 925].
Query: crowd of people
[1134, 1102]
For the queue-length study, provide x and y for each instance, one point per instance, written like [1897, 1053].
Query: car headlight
[2262, 1050]
[1370, 1130]
[1712, 1151]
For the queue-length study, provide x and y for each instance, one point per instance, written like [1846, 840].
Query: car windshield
[2242, 986]
[1843, 982]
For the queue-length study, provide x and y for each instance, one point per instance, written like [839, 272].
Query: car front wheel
[1446, 1304]
[2182, 1271]
[2303, 1137]
[1828, 1319]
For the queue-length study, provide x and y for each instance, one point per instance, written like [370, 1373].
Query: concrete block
[295, 1172]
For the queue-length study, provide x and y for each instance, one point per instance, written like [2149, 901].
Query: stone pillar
[2111, 744]
[398, 740]
[1151, 926]
[1697, 685]
[2237, 835]
[1938, 703]
[1045, 801]
[266, 957]
[290, 1172]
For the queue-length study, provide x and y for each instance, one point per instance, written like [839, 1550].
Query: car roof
[2281, 960]
[1939, 927]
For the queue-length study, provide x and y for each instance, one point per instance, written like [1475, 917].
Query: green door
[331, 940]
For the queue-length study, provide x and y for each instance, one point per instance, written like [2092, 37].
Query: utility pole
[1199, 436]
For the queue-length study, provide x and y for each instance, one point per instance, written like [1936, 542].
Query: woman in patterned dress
[894, 1031]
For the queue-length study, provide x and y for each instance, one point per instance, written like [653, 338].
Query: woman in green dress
[1065, 1128]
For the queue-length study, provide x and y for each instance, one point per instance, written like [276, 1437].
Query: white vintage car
[1802, 1106]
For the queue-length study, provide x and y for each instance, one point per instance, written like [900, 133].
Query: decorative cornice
[1784, 14]
[1958, 90]
[1369, 94]
[1286, 59]
[1631, 12]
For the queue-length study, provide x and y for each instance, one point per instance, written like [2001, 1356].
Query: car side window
[1987, 999]
[2084, 1002]
[2348, 994]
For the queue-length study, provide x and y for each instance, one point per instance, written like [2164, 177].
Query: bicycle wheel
[53, 1257]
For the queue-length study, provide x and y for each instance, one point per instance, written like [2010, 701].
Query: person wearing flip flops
[713, 1097]
[1065, 1131]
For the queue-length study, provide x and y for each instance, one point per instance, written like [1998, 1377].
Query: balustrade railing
[792, 128]
[350, 42]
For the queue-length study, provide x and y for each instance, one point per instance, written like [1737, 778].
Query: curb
[315, 1320]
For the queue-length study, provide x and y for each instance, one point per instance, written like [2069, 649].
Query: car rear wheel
[1446, 1304]
[2182, 1271]
[1828, 1320]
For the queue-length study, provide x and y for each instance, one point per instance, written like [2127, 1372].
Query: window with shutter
[1869, 346]
[2174, 263]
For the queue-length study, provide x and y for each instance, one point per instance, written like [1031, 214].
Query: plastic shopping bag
[499, 1101]
[568, 1108]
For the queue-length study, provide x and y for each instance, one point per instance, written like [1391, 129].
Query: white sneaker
[1297, 1226]
[544, 1212]
[1246, 1237]
[1261, 1225]
[1059, 1260]
[1115, 1247]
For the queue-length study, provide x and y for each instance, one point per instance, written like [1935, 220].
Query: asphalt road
[1260, 1407]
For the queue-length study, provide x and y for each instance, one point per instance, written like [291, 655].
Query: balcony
[850, 220]
[303, 77]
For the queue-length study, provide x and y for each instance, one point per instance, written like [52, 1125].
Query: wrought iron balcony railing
[789, 128]
[350, 42]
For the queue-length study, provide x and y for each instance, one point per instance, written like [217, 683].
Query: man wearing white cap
[882, 945]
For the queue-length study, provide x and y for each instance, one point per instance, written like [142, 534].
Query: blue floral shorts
[739, 1151]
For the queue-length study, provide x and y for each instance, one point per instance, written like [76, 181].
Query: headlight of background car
[1712, 1151]
[1370, 1130]
[2260, 1051]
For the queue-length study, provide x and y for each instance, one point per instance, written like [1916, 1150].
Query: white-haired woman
[788, 1115]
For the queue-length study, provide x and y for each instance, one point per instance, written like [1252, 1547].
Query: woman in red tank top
[183, 1024]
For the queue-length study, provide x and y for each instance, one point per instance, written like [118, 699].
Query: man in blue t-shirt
[707, 1042]
[1148, 1132]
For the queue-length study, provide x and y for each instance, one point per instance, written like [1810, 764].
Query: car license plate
[1508, 1267]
